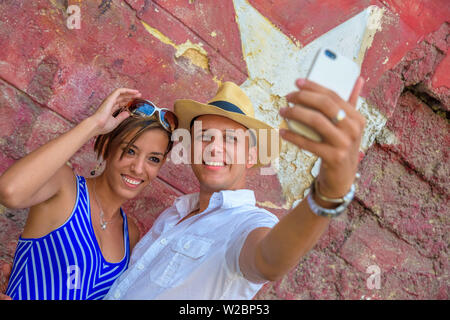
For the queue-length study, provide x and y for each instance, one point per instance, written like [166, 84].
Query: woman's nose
[137, 166]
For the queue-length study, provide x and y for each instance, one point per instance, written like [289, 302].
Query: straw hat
[231, 102]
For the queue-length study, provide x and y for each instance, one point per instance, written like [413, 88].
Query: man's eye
[206, 137]
[155, 159]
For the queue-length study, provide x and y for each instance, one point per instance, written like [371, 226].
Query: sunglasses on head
[140, 108]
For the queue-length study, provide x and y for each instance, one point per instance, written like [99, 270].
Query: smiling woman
[77, 239]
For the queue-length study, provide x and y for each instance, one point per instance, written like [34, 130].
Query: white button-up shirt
[199, 257]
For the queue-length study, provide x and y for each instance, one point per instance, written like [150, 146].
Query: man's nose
[217, 147]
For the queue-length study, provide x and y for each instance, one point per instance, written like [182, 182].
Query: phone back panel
[335, 72]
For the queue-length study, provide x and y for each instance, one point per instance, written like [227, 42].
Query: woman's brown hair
[106, 143]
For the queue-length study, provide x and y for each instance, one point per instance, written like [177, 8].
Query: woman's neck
[105, 197]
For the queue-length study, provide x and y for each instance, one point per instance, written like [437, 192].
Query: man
[216, 244]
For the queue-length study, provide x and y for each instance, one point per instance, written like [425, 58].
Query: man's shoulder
[255, 213]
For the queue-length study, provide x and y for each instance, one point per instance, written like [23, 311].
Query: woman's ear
[99, 168]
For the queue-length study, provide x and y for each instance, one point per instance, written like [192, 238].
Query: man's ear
[252, 157]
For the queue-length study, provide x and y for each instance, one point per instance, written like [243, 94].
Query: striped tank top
[67, 263]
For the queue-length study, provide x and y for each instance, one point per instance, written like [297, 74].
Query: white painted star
[274, 62]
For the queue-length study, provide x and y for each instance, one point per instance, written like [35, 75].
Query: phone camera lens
[330, 54]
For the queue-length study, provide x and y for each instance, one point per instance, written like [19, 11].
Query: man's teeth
[131, 181]
[215, 164]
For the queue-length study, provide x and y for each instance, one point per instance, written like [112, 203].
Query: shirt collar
[223, 199]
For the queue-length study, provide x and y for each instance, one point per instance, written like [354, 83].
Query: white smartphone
[333, 71]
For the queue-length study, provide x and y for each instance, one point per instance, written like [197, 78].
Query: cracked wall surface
[51, 77]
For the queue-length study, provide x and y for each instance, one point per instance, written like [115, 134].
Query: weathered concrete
[51, 77]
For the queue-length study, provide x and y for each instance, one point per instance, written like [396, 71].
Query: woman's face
[140, 163]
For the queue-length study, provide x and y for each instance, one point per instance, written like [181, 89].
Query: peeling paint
[387, 137]
[58, 5]
[217, 81]
[271, 205]
[375, 122]
[194, 52]
[158, 34]
[375, 15]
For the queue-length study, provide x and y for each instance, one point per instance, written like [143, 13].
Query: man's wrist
[322, 203]
[329, 209]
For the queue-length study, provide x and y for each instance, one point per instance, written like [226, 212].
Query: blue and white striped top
[67, 263]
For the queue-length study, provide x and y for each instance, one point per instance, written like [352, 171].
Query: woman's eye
[130, 152]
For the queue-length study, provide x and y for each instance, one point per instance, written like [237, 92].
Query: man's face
[221, 153]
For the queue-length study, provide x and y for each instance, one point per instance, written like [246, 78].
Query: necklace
[103, 223]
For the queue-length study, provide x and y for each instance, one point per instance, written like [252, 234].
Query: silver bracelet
[330, 213]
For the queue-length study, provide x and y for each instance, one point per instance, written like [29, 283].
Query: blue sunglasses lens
[162, 116]
[144, 109]
[147, 109]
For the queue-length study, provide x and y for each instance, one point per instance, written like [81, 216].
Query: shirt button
[186, 246]
[163, 241]
[117, 294]
[140, 266]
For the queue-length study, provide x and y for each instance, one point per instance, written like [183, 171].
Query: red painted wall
[51, 77]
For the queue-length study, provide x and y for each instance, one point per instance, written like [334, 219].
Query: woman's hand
[339, 148]
[103, 117]
[42, 174]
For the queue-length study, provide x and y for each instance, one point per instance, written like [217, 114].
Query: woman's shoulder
[133, 232]
[51, 213]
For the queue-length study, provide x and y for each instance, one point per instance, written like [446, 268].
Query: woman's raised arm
[41, 174]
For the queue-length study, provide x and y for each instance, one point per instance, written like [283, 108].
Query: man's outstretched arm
[268, 254]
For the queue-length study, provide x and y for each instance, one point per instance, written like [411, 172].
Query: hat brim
[186, 110]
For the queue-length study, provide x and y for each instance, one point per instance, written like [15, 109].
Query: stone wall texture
[393, 241]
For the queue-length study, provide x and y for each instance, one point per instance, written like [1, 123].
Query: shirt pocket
[186, 253]
[192, 246]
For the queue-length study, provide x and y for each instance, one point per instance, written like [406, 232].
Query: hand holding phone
[333, 71]
[325, 102]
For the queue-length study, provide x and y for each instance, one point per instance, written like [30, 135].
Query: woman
[77, 239]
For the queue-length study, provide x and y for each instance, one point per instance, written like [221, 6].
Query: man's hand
[5, 272]
[339, 148]
[271, 253]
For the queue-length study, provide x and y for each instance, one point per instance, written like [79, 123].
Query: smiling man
[216, 244]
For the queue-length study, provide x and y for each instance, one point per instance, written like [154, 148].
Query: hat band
[227, 106]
